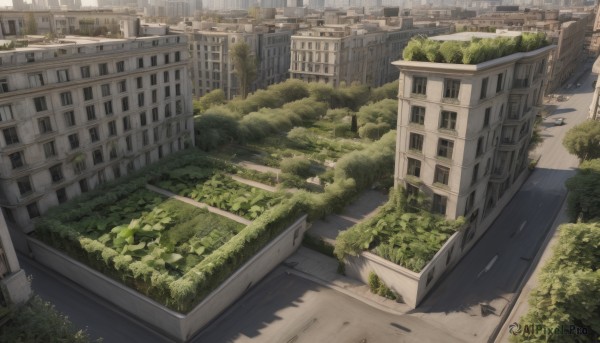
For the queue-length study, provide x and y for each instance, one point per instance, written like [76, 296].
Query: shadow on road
[563, 111]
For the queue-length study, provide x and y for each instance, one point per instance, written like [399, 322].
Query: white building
[78, 112]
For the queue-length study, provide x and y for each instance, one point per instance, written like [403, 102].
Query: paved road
[287, 308]
[86, 310]
[513, 239]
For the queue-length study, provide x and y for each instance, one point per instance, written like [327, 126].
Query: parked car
[559, 121]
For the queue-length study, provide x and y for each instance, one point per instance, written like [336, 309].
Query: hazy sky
[4, 3]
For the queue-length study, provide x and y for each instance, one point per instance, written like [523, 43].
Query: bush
[378, 287]
[317, 244]
[298, 165]
[373, 131]
[384, 111]
[214, 97]
[213, 131]
[38, 321]
[387, 91]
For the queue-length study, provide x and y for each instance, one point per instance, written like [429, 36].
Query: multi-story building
[90, 23]
[14, 285]
[212, 67]
[362, 52]
[464, 130]
[79, 112]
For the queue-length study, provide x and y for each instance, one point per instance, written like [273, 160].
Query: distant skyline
[4, 3]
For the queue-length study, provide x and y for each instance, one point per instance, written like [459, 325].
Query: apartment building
[14, 285]
[89, 23]
[336, 54]
[78, 112]
[212, 67]
[464, 130]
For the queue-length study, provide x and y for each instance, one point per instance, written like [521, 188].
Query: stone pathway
[193, 202]
[254, 184]
[258, 167]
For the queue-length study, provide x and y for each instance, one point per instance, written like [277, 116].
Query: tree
[584, 140]
[214, 97]
[244, 64]
[354, 126]
[567, 293]
[584, 192]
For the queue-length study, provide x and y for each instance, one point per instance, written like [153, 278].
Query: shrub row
[473, 52]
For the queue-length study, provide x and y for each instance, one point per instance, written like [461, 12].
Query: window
[414, 167]
[499, 82]
[140, 63]
[62, 75]
[125, 104]
[156, 134]
[470, 202]
[445, 148]
[49, 149]
[66, 99]
[448, 120]
[177, 75]
[480, 147]
[419, 85]
[103, 69]
[486, 118]
[112, 128]
[122, 86]
[56, 173]
[154, 96]
[140, 99]
[166, 76]
[178, 107]
[91, 112]
[74, 140]
[417, 115]
[108, 108]
[69, 118]
[126, 123]
[40, 104]
[32, 210]
[120, 66]
[153, 79]
[16, 159]
[88, 94]
[441, 175]
[44, 125]
[36, 80]
[145, 139]
[167, 110]
[116, 171]
[83, 185]
[105, 89]
[85, 72]
[177, 90]
[129, 143]
[79, 164]
[153, 61]
[94, 136]
[24, 185]
[416, 142]
[439, 204]
[10, 135]
[451, 88]
[148, 158]
[97, 156]
[155, 115]
[112, 154]
[484, 86]
[4, 86]
[6, 112]
[139, 82]
[169, 130]
[177, 56]
[143, 119]
[61, 195]
[475, 175]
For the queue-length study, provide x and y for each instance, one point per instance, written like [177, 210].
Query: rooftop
[468, 36]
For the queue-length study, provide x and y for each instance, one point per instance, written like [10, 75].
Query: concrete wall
[176, 325]
[412, 286]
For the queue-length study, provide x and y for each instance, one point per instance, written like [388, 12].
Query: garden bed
[220, 191]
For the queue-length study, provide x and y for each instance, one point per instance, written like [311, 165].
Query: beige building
[212, 67]
[78, 112]
[14, 285]
[464, 130]
[336, 54]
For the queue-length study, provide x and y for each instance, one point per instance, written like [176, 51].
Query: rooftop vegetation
[476, 51]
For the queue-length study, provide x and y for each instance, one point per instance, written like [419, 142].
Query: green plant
[296, 165]
[378, 287]
[317, 244]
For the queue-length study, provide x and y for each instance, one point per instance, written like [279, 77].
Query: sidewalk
[322, 269]
[522, 303]
[365, 206]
